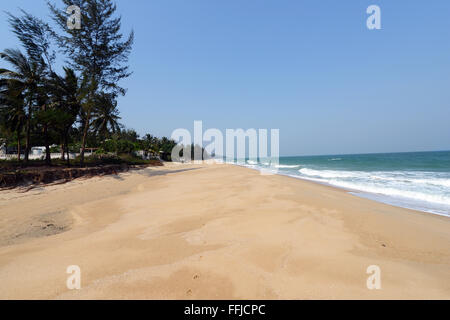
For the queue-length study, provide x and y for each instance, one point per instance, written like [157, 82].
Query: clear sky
[310, 68]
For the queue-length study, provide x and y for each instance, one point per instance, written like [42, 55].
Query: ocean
[414, 180]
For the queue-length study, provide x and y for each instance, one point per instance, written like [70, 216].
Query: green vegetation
[93, 161]
[77, 109]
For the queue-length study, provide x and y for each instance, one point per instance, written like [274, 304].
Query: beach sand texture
[215, 232]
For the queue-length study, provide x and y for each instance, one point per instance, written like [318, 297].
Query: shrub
[118, 146]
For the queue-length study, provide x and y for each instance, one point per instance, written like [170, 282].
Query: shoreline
[358, 193]
[217, 232]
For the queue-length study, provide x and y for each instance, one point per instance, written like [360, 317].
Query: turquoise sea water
[415, 180]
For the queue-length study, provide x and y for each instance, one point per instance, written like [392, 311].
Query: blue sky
[309, 68]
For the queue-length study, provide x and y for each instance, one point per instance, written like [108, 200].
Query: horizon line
[364, 153]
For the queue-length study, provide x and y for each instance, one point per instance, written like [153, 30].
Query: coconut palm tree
[12, 110]
[25, 76]
[35, 37]
[67, 94]
[105, 116]
[151, 143]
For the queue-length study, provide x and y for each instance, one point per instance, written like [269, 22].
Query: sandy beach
[215, 232]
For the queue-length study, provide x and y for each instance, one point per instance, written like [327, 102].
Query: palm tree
[105, 116]
[166, 146]
[151, 143]
[67, 94]
[12, 110]
[25, 77]
[35, 37]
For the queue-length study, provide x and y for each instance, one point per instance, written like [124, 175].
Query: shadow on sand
[154, 173]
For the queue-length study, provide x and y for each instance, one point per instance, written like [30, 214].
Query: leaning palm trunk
[18, 145]
[66, 143]
[48, 160]
[85, 132]
[27, 138]
[63, 150]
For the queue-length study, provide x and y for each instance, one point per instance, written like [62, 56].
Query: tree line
[77, 108]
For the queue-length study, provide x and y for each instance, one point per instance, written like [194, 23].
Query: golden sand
[215, 232]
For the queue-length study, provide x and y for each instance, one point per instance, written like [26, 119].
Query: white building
[37, 151]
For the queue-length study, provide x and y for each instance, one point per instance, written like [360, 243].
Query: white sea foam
[414, 186]
[287, 166]
[392, 191]
[327, 173]
[420, 190]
